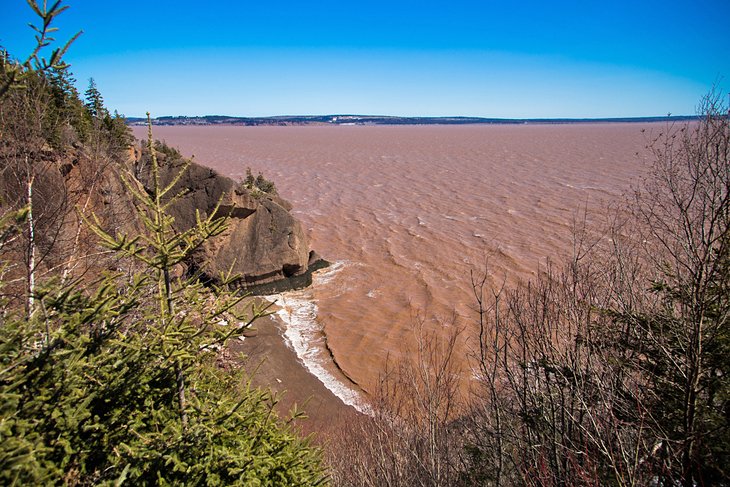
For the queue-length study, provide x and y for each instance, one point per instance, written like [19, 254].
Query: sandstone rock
[263, 244]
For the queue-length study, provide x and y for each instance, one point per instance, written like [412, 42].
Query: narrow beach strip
[297, 310]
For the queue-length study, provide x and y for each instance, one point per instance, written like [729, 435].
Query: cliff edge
[263, 244]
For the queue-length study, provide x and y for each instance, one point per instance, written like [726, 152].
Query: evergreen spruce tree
[117, 382]
[13, 73]
[94, 101]
[69, 110]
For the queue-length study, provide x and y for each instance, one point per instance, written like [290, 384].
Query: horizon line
[341, 119]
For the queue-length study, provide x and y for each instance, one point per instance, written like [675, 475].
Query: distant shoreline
[388, 120]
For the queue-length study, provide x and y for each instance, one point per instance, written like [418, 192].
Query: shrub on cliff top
[258, 185]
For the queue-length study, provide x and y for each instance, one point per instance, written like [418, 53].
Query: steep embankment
[263, 244]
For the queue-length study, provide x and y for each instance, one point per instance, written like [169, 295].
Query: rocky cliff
[264, 244]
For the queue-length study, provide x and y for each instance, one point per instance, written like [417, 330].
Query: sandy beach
[274, 365]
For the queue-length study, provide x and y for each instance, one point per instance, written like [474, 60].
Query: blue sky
[421, 58]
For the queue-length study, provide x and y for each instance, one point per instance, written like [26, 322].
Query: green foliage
[258, 185]
[14, 72]
[112, 130]
[117, 381]
[94, 401]
[94, 101]
[49, 108]
[66, 107]
[170, 152]
[42, 91]
[119, 133]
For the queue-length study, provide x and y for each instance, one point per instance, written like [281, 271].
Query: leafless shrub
[550, 400]
[613, 369]
[411, 438]
[609, 369]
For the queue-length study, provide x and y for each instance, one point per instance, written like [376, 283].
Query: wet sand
[275, 366]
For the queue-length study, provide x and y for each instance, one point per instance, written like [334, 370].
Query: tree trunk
[30, 264]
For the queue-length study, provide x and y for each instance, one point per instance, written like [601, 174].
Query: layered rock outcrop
[263, 244]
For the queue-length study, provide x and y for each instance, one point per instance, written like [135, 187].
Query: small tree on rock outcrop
[259, 184]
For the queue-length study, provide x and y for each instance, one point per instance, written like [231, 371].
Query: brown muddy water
[406, 212]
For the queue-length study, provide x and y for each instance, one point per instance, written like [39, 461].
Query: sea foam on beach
[302, 333]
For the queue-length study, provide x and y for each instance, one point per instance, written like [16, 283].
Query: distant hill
[384, 120]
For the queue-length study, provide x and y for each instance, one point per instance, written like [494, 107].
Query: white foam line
[298, 312]
[323, 276]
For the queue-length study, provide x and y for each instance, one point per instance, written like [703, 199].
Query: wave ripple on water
[413, 210]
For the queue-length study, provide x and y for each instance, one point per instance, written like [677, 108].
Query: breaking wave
[297, 310]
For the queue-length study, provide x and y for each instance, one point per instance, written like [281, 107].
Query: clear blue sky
[478, 58]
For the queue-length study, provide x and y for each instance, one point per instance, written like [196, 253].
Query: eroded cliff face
[264, 244]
